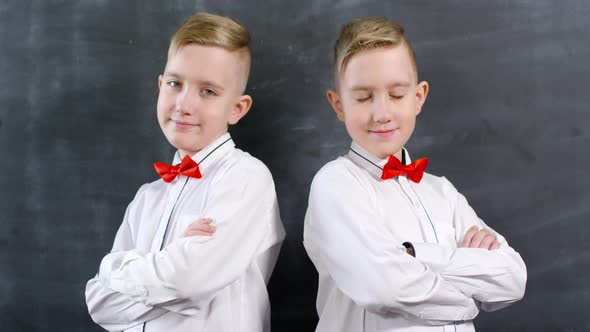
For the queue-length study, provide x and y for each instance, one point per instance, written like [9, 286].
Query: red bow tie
[187, 167]
[394, 167]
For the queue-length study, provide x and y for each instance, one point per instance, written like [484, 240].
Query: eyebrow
[389, 86]
[201, 82]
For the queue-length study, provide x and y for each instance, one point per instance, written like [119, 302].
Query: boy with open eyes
[197, 247]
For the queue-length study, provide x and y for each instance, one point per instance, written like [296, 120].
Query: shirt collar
[211, 153]
[368, 161]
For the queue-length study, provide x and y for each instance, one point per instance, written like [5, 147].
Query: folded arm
[110, 309]
[367, 264]
[496, 277]
[186, 275]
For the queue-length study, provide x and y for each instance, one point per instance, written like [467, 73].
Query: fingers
[487, 241]
[200, 227]
[468, 236]
[479, 238]
[202, 221]
[196, 233]
[495, 245]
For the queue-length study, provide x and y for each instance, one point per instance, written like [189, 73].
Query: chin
[386, 152]
[189, 148]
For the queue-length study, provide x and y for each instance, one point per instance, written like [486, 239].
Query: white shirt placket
[175, 190]
[426, 223]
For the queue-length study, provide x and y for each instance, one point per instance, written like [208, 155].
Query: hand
[479, 238]
[201, 227]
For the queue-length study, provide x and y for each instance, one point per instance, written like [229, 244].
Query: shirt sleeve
[348, 240]
[186, 275]
[110, 309]
[496, 278]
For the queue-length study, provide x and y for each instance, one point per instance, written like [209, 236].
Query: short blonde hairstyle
[368, 33]
[213, 30]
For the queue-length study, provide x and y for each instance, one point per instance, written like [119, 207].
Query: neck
[399, 154]
[182, 153]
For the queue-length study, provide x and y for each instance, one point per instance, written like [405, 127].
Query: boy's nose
[186, 102]
[381, 111]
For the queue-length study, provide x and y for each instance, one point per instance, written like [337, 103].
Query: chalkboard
[506, 121]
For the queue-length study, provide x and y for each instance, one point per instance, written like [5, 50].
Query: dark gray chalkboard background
[507, 121]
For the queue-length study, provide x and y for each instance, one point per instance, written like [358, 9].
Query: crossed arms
[134, 287]
[442, 284]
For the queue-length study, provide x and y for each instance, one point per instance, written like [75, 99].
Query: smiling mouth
[182, 124]
[383, 133]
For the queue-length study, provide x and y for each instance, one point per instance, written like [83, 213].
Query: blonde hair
[213, 30]
[368, 33]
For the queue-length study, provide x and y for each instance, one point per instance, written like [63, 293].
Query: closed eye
[364, 99]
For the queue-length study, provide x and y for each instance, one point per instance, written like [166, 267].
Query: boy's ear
[334, 100]
[241, 107]
[160, 81]
[421, 93]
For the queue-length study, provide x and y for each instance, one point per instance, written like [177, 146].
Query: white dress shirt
[154, 280]
[355, 226]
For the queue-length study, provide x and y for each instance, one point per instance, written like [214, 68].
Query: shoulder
[339, 175]
[150, 188]
[337, 169]
[242, 167]
[440, 185]
[145, 196]
[340, 165]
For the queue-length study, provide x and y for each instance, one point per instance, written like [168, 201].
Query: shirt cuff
[112, 277]
[409, 245]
